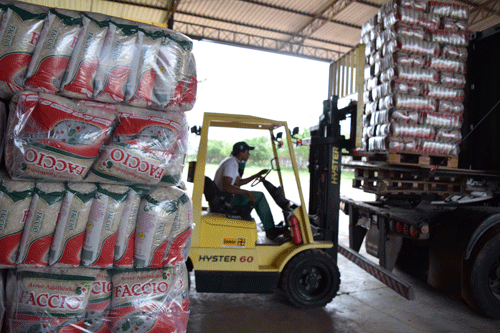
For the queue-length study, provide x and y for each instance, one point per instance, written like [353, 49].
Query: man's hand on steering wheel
[261, 175]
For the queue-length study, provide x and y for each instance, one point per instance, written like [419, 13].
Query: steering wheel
[259, 179]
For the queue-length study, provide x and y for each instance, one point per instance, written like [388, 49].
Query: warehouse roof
[316, 29]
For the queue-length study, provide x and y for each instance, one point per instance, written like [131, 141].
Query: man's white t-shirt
[227, 168]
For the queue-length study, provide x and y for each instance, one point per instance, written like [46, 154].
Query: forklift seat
[221, 202]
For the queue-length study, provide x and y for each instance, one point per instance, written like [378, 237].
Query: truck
[437, 219]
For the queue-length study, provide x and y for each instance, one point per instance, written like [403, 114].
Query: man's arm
[227, 187]
[240, 182]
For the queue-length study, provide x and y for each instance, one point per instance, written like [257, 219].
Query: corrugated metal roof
[317, 29]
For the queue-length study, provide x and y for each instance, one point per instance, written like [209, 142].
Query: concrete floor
[363, 304]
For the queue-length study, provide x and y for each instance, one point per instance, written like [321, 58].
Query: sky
[243, 81]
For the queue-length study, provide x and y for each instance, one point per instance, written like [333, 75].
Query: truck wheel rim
[494, 278]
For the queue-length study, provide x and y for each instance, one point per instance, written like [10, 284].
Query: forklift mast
[325, 167]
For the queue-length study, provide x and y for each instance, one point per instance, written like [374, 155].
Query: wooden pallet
[380, 181]
[412, 159]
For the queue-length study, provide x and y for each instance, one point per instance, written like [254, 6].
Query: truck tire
[482, 285]
[310, 279]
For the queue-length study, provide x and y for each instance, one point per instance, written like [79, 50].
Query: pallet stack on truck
[426, 147]
[95, 227]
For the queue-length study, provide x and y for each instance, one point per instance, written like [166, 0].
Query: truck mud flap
[383, 275]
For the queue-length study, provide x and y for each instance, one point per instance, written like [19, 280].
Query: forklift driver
[228, 179]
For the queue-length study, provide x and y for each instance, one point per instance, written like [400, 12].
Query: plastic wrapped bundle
[441, 92]
[142, 79]
[104, 219]
[449, 37]
[78, 81]
[453, 52]
[157, 214]
[176, 83]
[413, 131]
[71, 223]
[448, 10]
[179, 240]
[125, 239]
[151, 308]
[35, 292]
[452, 79]
[15, 200]
[19, 32]
[120, 48]
[440, 148]
[53, 50]
[40, 224]
[447, 65]
[449, 106]
[147, 147]
[96, 312]
[441, 119]
[50, 137]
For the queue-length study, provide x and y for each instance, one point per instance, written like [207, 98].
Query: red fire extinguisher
[295, 229]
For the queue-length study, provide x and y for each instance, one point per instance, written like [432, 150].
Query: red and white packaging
[78, 82]
[147, 147]
[53, 51]
[19, 32]
[176, 82]
[48, 300]
[50, 137]
[105, 215]
[141, 80]
[15, 200]
[157, 213]
[143, 301]
[72, 220]
[118, 53]
[179, 240]
[99, 303]
[124, 248]
[40, 224]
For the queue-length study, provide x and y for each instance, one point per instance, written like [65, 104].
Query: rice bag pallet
[376, 180]
[415, 159]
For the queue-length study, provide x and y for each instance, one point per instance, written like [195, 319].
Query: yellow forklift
[227, 254]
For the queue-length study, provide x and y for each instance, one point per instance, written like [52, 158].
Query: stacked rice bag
[415, 77]
[54, 138]
[93, 56]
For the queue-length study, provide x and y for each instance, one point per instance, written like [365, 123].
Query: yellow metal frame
[207, 250]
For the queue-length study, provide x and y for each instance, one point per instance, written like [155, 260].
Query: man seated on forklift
[227, 179]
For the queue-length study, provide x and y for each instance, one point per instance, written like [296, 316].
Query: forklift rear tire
[482, 285]
[310, 279]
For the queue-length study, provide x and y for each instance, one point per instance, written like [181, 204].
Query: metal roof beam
[263, 28]
[234, 38]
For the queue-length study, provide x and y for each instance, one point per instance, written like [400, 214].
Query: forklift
[227, 254]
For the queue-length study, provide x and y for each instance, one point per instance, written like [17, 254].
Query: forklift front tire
[310, 279]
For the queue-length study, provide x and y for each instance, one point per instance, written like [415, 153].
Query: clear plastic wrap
[452, 79]
[148, 147]
[416, 74]
[401, 58]
[383, 129]
[157, 213]
[404, 116]
[453, 52]
[413, 131]
[418, 46]
[96, 312]
[449, 37]
[40, 225]
[51, 137]
[449, 106]
[121, 47]
[440, 91]
[401, 29]
[102, 226]
[447, 65]
[379, 117]
[49, 299]
[429, 21]
[448, 135]
[454, 24]
[71, 223]
[53, 51]
[370, 107]
[442, 119]
[176, 82]
[78, 81]
[392, 5]
[448, 10]
[415, 103]
[403, 144]
[125, 239]
[368, 25]
[159, 303]
[378, 143]
[386, 102]
[375, 57]
[440, 148]
[368, 131]
[19, 32]
[371, 83]
[15, 200]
